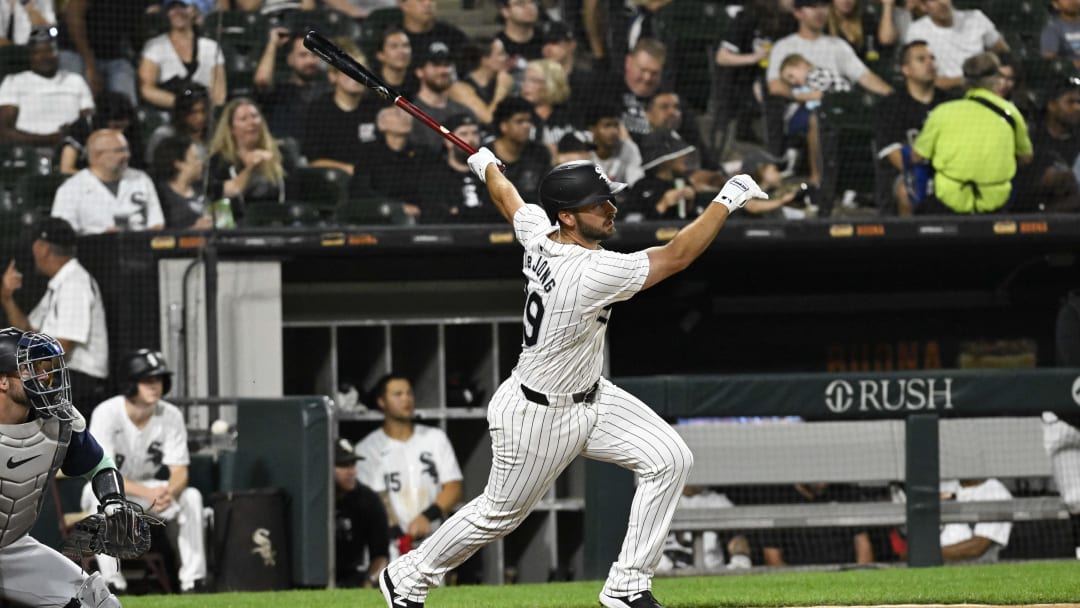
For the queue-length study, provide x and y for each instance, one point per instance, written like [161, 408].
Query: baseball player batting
[555, 405]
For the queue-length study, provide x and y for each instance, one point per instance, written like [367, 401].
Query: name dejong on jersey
[569, 293]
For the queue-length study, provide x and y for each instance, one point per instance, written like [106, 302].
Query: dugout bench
[916, 427]
[858, 452]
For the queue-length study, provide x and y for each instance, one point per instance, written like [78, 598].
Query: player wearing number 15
[555, 405]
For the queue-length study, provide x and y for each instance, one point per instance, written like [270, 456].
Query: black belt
[586, 395]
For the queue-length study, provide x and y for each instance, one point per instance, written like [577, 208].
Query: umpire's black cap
[54, 230]
[576, 184]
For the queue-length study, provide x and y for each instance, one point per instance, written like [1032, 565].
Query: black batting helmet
[578, 183]
[141, 364]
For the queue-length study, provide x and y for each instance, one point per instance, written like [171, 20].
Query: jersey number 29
[534, 315]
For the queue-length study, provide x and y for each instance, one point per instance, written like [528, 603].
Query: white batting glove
[737, 191]
[479, 162]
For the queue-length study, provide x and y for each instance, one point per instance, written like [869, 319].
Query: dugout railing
[915, 427]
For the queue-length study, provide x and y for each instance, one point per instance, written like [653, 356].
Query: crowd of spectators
[784, 74]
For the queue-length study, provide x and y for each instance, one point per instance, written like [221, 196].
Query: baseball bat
[332, 54]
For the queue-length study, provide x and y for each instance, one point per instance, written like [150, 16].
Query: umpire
[71, 310]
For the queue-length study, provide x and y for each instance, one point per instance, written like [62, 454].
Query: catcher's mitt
[120, 528]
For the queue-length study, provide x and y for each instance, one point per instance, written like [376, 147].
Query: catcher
[40, 432]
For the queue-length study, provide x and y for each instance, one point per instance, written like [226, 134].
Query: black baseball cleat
[641, 599]
[394, 600]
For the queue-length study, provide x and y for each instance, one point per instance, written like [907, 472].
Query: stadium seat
[14, 58]
[372, 28]
[17, 160]
[36, 192]
[372, 211]
[690, 26]
[150, 118]
[280, 215]
[239, 72]
[847, 132]
[245, 32]
[1039, 72]
[325, 188]
[327, 22]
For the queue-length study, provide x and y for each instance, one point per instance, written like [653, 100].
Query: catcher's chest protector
[29, 453]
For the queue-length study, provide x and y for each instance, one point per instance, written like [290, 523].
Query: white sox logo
[264, 548]
[911, 394]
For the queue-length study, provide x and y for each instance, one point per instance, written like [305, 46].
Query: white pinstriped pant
[532, 444]
[1062, 442]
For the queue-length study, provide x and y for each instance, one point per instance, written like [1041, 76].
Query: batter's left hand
[419, 527]
[737, 191]
[479, 163]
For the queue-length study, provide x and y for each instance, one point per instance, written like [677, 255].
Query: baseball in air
[219, 427]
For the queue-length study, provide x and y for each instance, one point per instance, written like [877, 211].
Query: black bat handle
[333, 55]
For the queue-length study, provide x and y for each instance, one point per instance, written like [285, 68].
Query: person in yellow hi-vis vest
[973, 144]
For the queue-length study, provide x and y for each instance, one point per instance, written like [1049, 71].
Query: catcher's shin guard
[94, 593]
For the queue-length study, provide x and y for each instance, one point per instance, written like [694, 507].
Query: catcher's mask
[39, 361]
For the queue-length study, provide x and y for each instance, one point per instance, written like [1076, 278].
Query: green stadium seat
[373, 27]
[1039, 72]
[325, 188]
[245, 32]
[14, 58]
[847, 131]
[239, 72]
[372, 211]
[327, 22]
[36, 191]
[280, 215]
[690, 27]
[17, 160]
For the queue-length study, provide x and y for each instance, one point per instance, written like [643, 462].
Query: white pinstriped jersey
[139, 453]
[568, 298]
[411, 472]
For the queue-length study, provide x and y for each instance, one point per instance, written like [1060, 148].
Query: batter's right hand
[12, 281]
[737, 191]
[479, 162]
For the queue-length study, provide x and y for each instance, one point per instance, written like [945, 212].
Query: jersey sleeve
[531, 221]
[73, 304]
[65, 202]
[614, 277]
[83, 454]
[175, 450]
[446, 460]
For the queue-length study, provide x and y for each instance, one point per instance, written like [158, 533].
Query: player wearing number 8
[555, 405]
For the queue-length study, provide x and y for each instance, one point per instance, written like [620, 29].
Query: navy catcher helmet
[39, 362]
[144, 363]
[578, 183]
